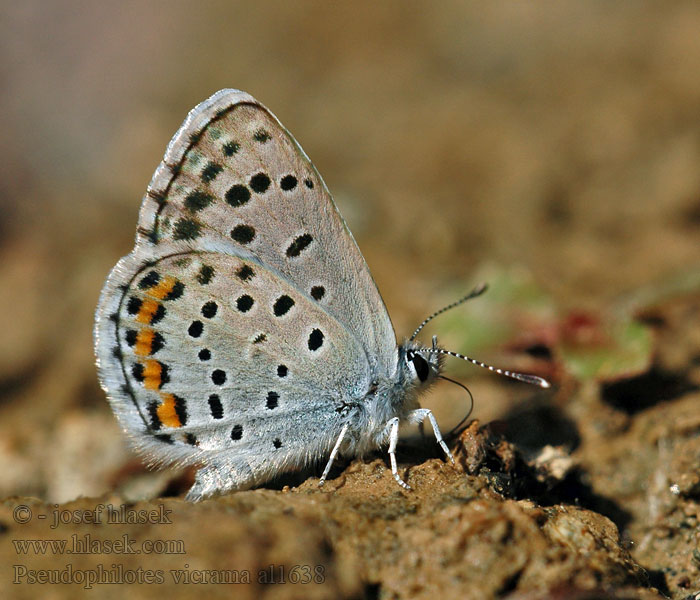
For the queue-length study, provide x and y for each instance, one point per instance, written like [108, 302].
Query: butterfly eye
[421, 366]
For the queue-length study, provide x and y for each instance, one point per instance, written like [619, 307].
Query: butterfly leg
[419, 415]
[392, 425]
[343, 431]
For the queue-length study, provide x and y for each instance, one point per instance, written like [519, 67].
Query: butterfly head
[421, 364]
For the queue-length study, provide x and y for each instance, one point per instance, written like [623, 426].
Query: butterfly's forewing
[235, 181]
[245, 320]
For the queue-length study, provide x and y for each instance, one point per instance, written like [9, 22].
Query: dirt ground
[551, 149]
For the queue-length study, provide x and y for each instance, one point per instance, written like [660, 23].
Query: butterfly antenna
[532, 379]
[455, 430]
[477, 291]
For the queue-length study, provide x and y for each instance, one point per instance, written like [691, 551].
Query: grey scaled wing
[245, 317]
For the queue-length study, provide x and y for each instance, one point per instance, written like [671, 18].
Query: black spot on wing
[237, 195]
[137, 372]
[131, 335]
[187, 229]
[259, 183]
[299, 244]
[195, 329]
[209, 310]
[176, 292]
[133, 305]
[217, 411]
[282, 305]
[272, 400]
[244, 303]
[210, 172]
[261, 135]
[245, 273]
[230, 148]
[315, 340]
[157, 343]
[150, 280]
[243, 234]
[159, 314]
[288, 183]
[180, 409]
[205, 275]
[198, 200]
[153, 415]
[218, 377]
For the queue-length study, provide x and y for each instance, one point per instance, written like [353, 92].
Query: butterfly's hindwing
[219, 354]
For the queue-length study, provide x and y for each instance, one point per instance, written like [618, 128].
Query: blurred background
[559, 141]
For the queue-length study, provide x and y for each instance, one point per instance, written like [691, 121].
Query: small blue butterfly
[244, 331]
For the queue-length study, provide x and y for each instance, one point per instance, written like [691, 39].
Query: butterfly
[244, 332]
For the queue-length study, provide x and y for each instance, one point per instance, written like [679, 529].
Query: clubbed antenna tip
[532, 379]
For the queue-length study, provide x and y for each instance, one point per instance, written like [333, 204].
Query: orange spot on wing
[144, 342]
[147, 310]
[152, 374]
[164, 287]
[166, 411]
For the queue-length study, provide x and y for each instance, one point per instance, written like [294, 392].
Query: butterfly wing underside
[245, 318]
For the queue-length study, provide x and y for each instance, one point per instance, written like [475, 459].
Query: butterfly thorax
[394, 396]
